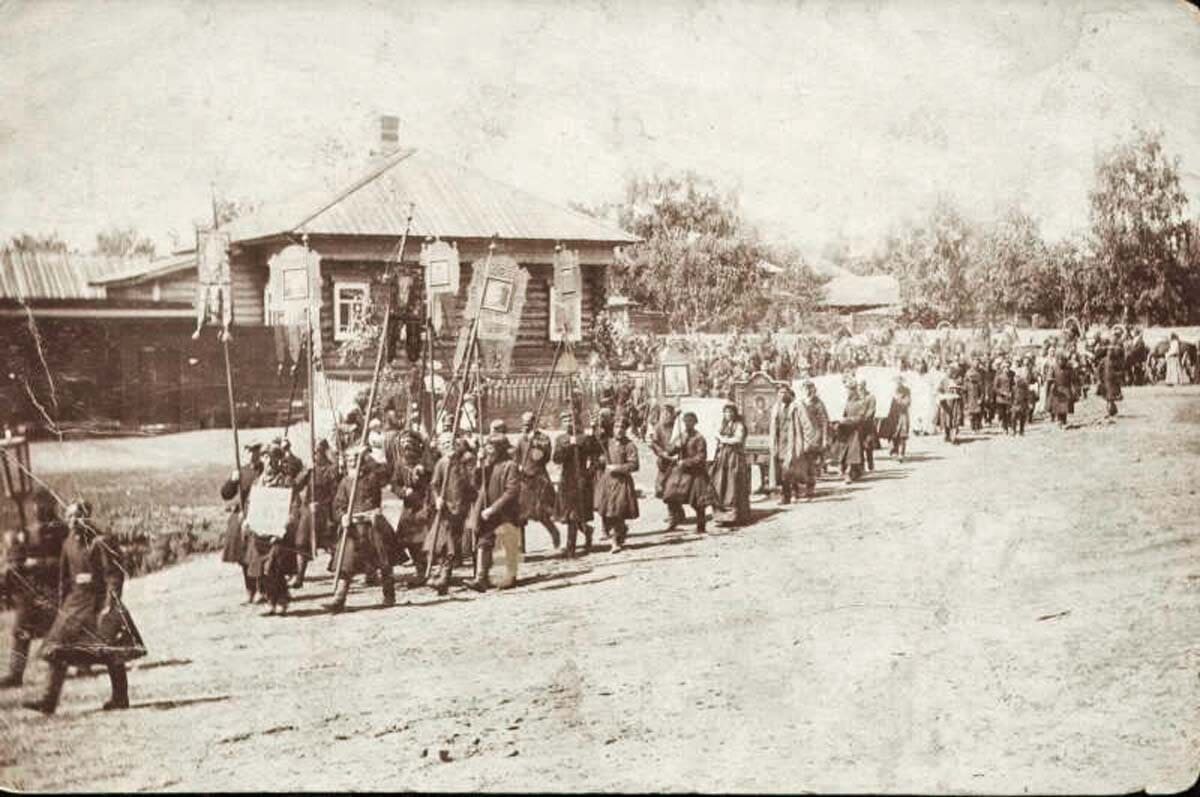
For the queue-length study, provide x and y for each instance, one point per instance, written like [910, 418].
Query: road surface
[1004, 615]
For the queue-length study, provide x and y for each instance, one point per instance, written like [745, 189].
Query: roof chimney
[389, 138]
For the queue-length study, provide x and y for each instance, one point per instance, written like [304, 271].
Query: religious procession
[809, 403]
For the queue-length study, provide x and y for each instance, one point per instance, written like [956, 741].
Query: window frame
[341, 330]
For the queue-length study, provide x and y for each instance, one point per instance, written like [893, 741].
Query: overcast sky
[831, 120]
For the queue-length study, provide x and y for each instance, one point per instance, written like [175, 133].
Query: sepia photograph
[599, 396]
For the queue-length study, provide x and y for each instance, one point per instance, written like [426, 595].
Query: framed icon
[676, 379]
[439, 276]
[497, 295]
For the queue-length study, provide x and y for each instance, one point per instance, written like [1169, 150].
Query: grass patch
[159, 516]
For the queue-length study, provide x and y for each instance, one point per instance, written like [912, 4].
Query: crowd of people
[464, 491]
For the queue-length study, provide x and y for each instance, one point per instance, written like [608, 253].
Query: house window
[349, 302]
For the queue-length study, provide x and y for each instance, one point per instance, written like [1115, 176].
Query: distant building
[860, 301]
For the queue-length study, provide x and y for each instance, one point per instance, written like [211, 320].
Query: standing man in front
[537, 490]
[786, 441]
[452, 491]
[814, 423]
[661, 444]
[497, 513]
[369, 541]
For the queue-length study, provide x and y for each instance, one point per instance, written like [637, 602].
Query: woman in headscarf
[1174, 375]
[92, 626]
[730, 471]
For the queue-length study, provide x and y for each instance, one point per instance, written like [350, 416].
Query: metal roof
[31, 276]
[144, 271]
[853, 290]
[449, 201]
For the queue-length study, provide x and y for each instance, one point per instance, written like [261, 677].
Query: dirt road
[1005, 615]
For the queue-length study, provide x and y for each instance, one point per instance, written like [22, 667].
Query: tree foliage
[699, 261]
[1141, 233]
[932, 262]
[31, 242]
[123, 242]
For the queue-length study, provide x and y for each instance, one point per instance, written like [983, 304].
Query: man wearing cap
[579, 456]
[537, 501]
[235, 492]
[313, 525]
[689, 481]
[663, 445]
[616, 495]
[32, 573]
[369, 539]
[410, 481]
[786, 442]
[452, 491]
[495, 513]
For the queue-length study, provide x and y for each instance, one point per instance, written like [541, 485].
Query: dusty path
[1001, 616]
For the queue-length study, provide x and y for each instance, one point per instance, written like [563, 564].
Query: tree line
[700, 262]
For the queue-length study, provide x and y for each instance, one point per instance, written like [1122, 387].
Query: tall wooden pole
[465, 370]
[310, 353]
[237, 449]
[382, 346]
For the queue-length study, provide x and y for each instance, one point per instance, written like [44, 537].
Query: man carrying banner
[410, 482]
[236, 492]
[537, 502]
[369, 540]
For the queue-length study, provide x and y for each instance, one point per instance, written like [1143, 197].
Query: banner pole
[366, 421]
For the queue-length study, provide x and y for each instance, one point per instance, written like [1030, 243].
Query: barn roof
[449, 201]
[853, 290]
[41, 275]
[145, 271]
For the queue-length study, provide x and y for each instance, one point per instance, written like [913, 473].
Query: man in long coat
[452, 490]
[31, 573]
[369, 541]
[236, 492]
[661, 443]
[92, 625]
[870, 427]
[814, 425]
[1002, 393]
[974, 399]
[1112, 374]
[1061, 390]
[496, 513]
[689, 480]
[579, 456]
[537, 502]
[786, 442]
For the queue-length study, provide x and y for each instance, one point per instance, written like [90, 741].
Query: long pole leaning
[463, 369]
[310, 353]
[237, 449]
[382, 346]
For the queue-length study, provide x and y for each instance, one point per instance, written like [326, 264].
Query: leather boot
[483, 568]
[17, 658]
[701, 520]
[120, 687]
[301, 566]
[555, 538]
[441, 577]
[572, 532]
[339, 596]
[389, 586]
[48, 702]
[587, 538]
[421, 563]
